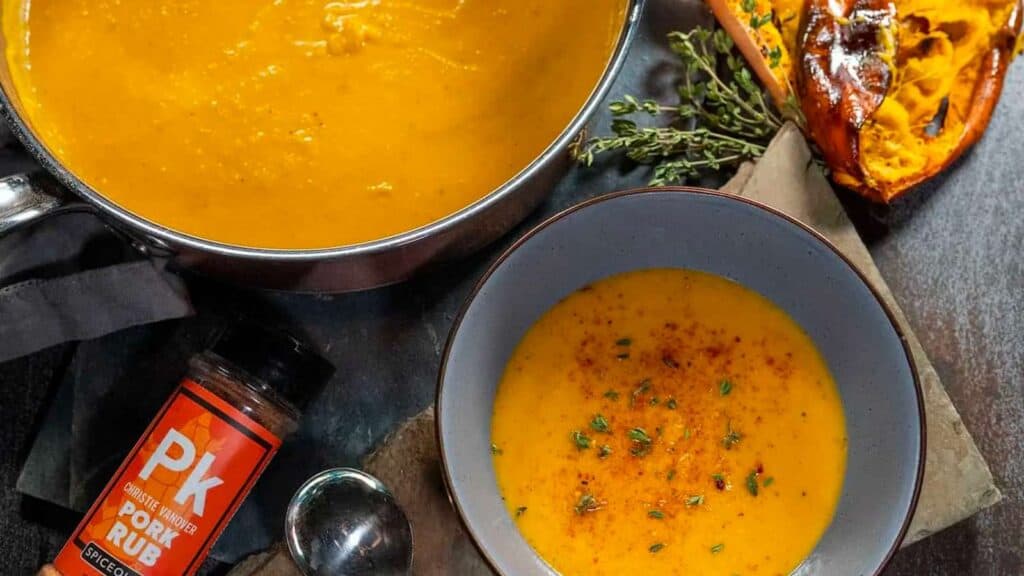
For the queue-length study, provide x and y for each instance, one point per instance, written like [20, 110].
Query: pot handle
[27, 198]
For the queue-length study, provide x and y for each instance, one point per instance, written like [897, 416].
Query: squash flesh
[940, 60]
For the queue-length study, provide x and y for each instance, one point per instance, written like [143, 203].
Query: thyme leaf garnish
[600, 424]
[581, 440]
[641, 389]
[752, 483]
[758, 21]
[639, 435]
[731, 437]
[587, 504]
[641, 442]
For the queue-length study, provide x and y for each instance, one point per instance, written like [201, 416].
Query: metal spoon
[345, 522]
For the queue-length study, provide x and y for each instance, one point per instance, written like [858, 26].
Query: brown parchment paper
[957, 481]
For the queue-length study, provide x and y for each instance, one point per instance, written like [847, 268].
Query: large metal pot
[26, 198]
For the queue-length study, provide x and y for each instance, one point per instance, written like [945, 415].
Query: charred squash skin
[844, 75]
[893, 91]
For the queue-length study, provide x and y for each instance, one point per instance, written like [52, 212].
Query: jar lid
[293, 369]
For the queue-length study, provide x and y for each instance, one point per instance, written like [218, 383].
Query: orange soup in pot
[303, 123]
[669, 422]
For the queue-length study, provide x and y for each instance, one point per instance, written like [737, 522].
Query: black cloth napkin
[69, 279]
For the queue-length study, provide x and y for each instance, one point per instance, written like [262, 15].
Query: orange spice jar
[198, 459]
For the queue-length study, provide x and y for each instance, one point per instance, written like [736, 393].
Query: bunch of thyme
[723, 117]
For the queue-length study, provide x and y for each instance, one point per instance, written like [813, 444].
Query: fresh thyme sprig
[600, 424]
[723, 117]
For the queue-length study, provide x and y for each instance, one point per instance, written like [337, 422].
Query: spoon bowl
[344, 521]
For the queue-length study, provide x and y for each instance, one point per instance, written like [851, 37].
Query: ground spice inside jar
[198, 459]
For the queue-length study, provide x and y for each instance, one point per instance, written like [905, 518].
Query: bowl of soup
[308, 144]
[676, 381]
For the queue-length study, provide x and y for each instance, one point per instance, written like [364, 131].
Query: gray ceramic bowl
[739, 239]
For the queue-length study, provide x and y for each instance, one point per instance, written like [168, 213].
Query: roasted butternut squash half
[892, 91]
[765, 31]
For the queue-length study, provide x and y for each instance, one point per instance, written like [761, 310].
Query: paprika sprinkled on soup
[303, 123]
[669, 422]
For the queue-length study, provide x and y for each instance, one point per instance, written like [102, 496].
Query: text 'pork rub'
[194, 465]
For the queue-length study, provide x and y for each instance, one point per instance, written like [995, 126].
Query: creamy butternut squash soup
[669, 422]
[303, 123]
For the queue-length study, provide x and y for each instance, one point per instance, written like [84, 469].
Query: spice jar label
[177, 489]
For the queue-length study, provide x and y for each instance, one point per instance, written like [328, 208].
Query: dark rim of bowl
[918, 480]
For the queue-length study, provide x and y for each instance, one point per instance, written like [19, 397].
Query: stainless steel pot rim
[174, 238]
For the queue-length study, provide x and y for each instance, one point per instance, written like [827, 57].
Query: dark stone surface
[952, 253]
